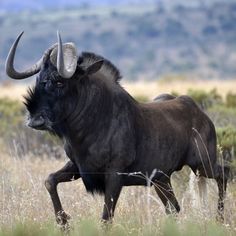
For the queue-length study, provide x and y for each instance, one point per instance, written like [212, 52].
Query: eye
[43, 82]
[59, 84]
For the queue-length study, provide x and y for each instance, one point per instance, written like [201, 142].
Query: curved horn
[10, 70]
[66, 68]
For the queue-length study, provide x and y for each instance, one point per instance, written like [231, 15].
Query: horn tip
[58, 33]
[22, 32]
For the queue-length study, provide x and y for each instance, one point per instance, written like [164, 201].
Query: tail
[227, 154]
[192, 190]
[202, 188]
[198, 198]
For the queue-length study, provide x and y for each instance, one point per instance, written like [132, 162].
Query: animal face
[56, 69]
[50, 101]
[56, 92]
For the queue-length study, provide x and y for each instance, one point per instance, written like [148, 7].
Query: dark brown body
[112, 140]
[169, 142]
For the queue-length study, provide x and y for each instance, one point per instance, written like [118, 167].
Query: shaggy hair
[108, 70]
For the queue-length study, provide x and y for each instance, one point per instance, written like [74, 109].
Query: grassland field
[26, 209]
[143, 88]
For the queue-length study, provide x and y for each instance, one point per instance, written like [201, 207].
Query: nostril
[41, 118]
[36, 122]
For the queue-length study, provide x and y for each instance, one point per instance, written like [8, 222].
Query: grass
[152, 89]
[11, 91]
[143, 88]
[89, 227]
[26, 208]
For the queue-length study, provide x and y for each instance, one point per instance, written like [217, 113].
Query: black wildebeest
[107, 134]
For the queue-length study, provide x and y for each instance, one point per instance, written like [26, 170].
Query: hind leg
[221, 177]
[165, 192]
[221, 180]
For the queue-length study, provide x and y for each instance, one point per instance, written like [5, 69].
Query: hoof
[220, 217]
[106, 224]
[62, 218]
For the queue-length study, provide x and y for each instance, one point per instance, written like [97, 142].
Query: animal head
[58, 71]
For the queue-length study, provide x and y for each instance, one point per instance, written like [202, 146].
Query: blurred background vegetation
[145, 39]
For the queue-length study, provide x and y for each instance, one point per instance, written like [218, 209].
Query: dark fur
[108, 134]
[164, 97]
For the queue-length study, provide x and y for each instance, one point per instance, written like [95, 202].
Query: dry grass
[24, 199]
[149, 89]
[13, 91]
[152, 89]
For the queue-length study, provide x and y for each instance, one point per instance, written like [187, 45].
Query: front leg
[68, 173]
[113, 188]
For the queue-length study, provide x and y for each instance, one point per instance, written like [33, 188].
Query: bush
[174, 93]
[199, 96]
[141, 98]
[17, 137]
[204, 99]
[11, 115]
[222, 115]
[226, 138]
[230, 100]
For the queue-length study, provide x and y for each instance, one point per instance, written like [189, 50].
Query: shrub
[11, 115]
[222, 115]
[141, 98]
[174, 93]
[226, 138]
[17, 137]
[204, 99]
[230, 100]
[199, 96]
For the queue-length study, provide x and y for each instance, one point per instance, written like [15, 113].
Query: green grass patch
[167, 226]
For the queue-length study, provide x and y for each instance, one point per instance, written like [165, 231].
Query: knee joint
[172, 208]
[50, 183]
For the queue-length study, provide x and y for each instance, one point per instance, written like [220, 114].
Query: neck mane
[100, 99]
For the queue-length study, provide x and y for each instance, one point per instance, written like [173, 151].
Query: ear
[96, 66]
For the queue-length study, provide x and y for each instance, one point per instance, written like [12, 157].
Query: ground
[26, 209]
